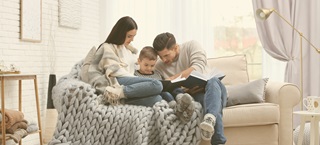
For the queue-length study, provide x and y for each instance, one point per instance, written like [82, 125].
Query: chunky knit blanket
[83, 120]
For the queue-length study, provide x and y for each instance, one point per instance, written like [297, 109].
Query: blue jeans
[213, 101]
[171, 96]
[141, 91]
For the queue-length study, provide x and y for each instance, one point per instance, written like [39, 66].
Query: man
[181, 60]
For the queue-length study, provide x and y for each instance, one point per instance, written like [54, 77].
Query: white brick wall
[68, 45]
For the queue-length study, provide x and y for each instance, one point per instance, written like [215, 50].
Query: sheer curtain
[281, 42]
[186, 20]
[277, 36]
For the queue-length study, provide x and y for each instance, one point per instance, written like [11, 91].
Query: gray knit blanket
[83, 120]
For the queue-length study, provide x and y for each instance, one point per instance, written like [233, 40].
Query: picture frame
[70, 13]
[31, 20]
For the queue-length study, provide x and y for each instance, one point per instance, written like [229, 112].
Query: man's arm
[197, 56]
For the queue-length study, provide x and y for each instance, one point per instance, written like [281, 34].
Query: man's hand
[174, 77]
[183, 74]
[187, 72]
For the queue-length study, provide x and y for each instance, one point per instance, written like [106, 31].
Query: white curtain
[187, 20]
[283, 43]
[277, 37]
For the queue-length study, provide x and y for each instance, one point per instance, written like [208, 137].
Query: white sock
[113, 94]
[207, 126]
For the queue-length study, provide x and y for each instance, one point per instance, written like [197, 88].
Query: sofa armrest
[287, 95]
[281, 93]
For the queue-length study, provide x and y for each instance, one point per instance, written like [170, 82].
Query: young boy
[184, 106]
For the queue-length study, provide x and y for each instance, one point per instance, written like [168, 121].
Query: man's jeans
[213, 101]
[141, 91]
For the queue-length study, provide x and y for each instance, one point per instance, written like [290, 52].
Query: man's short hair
[164, 40]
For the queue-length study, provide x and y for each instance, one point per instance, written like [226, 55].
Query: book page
[214, 72]
[198, 75]
[178, 79]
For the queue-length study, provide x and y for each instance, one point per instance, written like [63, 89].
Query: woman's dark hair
[119, 31]
[148, 52]
[164, 40]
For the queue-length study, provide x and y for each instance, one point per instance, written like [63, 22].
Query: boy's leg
[177, 91]
[169, 98]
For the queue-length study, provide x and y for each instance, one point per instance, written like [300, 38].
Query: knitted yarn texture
[82, 119]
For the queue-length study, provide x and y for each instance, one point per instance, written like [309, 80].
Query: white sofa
[266, 123]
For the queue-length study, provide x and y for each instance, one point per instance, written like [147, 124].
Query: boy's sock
[185, 107]
[172, 104]
[207, 126]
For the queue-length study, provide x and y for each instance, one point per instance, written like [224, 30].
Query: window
[235, 33]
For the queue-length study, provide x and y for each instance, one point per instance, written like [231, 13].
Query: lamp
[263, 14]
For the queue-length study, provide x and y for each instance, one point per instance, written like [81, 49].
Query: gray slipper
[185, 107]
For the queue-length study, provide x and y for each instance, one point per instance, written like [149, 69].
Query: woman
[111, 71]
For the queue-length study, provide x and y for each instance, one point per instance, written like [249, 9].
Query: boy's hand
[193, 90]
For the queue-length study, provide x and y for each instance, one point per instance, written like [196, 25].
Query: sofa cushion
[251, 92]
[234, 67]
[251, 115]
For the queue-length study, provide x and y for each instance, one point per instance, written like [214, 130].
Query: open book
[195, 79]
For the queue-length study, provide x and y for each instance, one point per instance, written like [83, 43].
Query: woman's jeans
[213, 101]
[141, 91]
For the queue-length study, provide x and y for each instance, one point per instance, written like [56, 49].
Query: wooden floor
[205, 142]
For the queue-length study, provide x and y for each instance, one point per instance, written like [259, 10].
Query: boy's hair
[164, 40]
[148, 52]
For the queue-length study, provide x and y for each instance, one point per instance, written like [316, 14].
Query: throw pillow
[86, 63]
[234, 67]
[251, 92]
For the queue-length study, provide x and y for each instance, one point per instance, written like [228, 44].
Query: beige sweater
[191, 55]
[110, 61]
